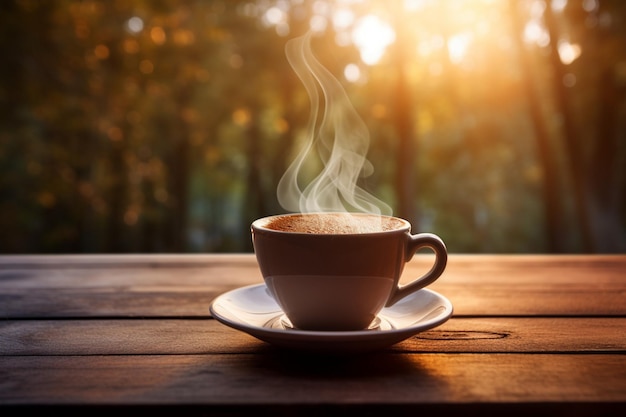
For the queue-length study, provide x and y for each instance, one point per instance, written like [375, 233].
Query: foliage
[165, 126]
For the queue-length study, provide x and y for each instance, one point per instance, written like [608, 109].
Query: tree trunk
[254, 203]
[577, 167]
[116, 197]
[553, 210]
[607, 200]
[179, 190]
[405, 184]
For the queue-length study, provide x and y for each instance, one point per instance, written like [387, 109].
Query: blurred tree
[156, 126]
[593, 153]
[404, 106]
[554, 212]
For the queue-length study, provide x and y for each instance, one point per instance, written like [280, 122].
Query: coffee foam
[333, 223]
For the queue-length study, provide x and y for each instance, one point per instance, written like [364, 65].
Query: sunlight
[372, 36]
[430, 45]
[343, 18]
[467, 22]
[274, 16]
[590, 5]
[277, 17]
[568, 52]
[559, 5]
[535, 33]
[474, 86]
[135, 24]
[352, 73]
[458, 45]
[318, 23]
[413, 5]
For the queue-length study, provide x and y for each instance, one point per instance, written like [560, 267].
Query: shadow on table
[338, 366]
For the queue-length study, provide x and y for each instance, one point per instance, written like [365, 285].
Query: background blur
[165, 126]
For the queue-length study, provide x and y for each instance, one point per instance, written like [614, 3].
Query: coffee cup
[336, 271]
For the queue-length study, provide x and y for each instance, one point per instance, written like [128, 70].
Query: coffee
[334, 223]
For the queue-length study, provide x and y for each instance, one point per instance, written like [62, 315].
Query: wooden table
[128, 334]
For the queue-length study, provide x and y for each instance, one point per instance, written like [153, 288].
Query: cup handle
[414, 243]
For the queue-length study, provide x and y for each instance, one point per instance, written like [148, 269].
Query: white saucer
[253, 310]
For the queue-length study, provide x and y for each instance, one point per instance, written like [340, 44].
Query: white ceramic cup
[340, 281]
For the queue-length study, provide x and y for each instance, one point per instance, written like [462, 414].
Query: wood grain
[284, 379]
[183, 286]
[178, 337]
[128, 334]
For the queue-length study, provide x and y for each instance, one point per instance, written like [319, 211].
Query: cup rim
[259, 225]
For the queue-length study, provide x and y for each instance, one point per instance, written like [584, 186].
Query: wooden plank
[119, 286]
[137, 301]
[109, 303]
[536, 269]
[281, 379]
[178, 337]
[521, 269]
[223, 275]
[171, 258]
[470, 364]
[125, 260]
[501, 335]
[503, 300]
[182, 286]
[473, 409]
[178, 302]
[535, 285]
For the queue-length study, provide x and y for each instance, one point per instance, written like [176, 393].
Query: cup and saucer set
[254, 310]
[336, 292]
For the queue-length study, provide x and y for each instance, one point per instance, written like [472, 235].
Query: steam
[340, 139]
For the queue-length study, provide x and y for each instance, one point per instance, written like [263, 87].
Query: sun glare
[457, 28]
[135, 24]
[458, 45]
[352, 73]
[372, 36]
[535, 33]
[568, 52]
